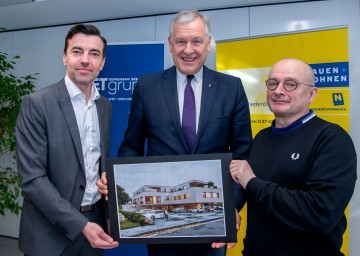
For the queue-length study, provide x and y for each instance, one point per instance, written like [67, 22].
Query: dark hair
[86, 30]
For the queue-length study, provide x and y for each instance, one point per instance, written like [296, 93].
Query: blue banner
[124, 64]
[332, 74]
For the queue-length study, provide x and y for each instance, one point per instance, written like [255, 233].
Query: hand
[102, 184]
[229, 245]
[241, 172]
[97, 237]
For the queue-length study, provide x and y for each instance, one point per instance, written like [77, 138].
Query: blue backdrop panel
[124, 64]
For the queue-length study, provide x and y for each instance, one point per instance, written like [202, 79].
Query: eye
[271, 83]
[290, 84]
[180, 42]
[76, 52]
[198, 42]
[95, 53]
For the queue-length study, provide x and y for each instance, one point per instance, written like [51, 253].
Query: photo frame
[171, 199]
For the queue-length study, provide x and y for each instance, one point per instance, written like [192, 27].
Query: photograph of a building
[190, 195]
[184, 198]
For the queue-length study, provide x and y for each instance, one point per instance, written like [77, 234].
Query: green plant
[12, 89]
[134, 217]
[122, 196]
[128, 224]
[10, 190]
[210, 184]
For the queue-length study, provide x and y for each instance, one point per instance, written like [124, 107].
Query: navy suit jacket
[224, 122]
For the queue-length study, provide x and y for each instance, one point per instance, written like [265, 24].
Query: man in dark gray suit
[62, 137]
[215, 120]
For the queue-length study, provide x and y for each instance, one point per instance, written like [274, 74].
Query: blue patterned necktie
[189, 115]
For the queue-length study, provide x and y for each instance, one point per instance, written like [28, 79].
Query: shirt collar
[294, 125]
[74, 91]
[182, 77]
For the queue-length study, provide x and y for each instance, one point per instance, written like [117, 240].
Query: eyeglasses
[289, 85]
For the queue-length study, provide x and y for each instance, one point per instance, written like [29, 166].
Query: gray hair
[187, 16]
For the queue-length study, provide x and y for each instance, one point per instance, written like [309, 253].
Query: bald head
[290, 90]
[298, 68]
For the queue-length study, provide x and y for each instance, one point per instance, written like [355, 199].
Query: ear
[313, 93]
[209, 44]
[103, 63]
[64, 60]
[170, 44]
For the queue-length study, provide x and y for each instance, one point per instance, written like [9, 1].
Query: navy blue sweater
[305, 177]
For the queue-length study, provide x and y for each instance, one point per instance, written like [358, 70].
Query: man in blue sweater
[300, 175]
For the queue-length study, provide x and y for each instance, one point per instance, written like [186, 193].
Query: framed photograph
[171, 199]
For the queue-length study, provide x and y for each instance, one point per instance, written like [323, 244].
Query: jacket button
[82, 187]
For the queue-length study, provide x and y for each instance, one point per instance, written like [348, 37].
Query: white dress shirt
[88, 124]
[196, 84]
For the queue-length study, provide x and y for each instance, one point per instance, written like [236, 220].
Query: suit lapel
[169, 85]
[209, 88]
[100, 107]
[69, 115]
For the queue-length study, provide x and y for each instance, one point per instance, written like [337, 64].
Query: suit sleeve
[135, 134]
[32, 159]
[241, 138]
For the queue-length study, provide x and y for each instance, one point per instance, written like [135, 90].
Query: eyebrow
[91, 50]
[76, 48]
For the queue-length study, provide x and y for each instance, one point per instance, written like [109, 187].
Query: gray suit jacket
[51, 168]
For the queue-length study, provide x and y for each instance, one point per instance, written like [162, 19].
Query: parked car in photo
[153, 214]
[197, 210]
[218, 208]
[142, 211]
[208, 209]
[179, 210]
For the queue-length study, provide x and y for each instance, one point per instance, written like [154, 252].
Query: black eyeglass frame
[284, 84]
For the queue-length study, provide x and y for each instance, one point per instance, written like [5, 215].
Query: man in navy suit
[222, 118]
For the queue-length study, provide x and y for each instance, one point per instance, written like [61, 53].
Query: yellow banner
[251, 58]
[313, 47]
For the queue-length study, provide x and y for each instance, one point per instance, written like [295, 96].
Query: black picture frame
[175, 184]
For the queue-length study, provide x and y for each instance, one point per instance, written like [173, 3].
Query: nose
[280, 89]
[188, 48]
[84, 58]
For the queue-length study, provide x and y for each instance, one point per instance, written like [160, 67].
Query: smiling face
[84, 59]
[189, 45]
[290, 106]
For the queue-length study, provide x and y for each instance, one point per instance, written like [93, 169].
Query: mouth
[189, 59]
[83, 70]
[278, 100]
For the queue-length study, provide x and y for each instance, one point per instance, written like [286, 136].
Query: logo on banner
[116, 89]
[335, 74]
[338, 99]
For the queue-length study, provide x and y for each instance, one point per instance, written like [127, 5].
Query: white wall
[41, 50]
